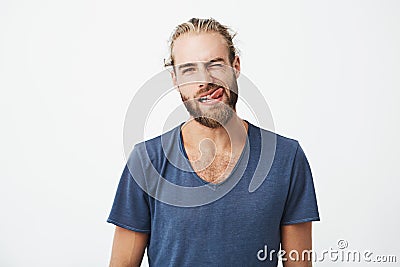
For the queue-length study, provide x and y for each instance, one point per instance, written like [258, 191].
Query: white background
[69, 69]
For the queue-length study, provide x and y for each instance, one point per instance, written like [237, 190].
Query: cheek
[188, 90]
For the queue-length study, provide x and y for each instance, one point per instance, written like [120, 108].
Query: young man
[239, 227]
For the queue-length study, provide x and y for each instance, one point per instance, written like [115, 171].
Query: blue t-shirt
[229, 231]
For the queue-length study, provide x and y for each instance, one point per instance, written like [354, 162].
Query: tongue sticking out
[217, 93]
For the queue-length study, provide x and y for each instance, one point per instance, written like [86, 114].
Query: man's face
[205, 78]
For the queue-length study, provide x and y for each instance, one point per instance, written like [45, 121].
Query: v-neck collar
[190, 167]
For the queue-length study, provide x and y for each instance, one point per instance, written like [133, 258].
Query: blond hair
[196, 25]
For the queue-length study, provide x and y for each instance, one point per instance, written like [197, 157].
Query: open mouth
[212, 97]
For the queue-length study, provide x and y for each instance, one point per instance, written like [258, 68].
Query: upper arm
[297, 237]
[128, 247]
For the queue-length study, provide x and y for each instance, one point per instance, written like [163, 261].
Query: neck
[233, 135]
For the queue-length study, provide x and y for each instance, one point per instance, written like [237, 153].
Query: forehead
[191, 47]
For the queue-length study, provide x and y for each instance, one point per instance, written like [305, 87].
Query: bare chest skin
[210, 167]
[211, 163]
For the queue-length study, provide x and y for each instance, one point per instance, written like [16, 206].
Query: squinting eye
[185, 71]
[216, 65]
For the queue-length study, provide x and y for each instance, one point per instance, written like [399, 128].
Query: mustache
[210, 86]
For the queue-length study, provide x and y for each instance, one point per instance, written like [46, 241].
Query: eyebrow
[191, 64]
[186, 65]
[218, 59]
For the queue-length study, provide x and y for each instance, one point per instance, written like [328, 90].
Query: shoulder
[287, 144]
[155, 148]
[273, 147]
[283, 144]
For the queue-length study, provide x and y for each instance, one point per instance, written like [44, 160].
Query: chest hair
[213, 169]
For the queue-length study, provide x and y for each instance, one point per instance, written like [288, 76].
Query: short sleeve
[301, 203]
[130, 208]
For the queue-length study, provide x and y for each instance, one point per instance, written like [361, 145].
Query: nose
[204, 77]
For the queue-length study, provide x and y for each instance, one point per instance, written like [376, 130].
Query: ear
[236, 66]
